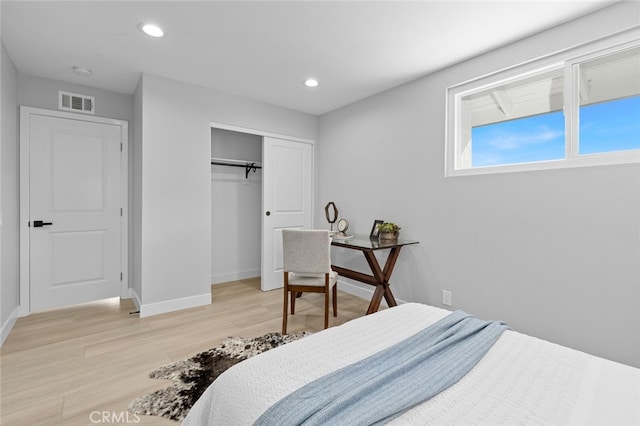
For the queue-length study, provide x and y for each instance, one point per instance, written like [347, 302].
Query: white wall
[554, 253]
[9, 190]
[236, 208]
[175, 210]
[41, 92]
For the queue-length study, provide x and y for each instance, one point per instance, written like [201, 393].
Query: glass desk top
[363, 242]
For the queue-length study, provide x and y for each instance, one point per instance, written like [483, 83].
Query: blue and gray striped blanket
[381, 387]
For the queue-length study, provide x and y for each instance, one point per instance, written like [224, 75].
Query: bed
[521, 380]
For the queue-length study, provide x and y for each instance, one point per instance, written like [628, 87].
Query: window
[517, 122]
[558, 112]
[609, 111]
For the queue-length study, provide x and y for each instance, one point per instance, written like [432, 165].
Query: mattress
[521, 380]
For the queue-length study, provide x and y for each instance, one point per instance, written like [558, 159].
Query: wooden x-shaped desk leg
[382, 279]
[379, 279]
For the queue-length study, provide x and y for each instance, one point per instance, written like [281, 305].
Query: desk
[380, 277]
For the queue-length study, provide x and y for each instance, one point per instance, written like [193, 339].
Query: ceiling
[264, 50]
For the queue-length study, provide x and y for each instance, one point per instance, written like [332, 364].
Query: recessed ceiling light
[152, 30]
[85, 72]
[311, 82]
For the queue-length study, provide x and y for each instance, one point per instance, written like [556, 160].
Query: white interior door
[75, 194]
[287, 200]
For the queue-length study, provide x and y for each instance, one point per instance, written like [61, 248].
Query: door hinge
[120, 211]
[121, 276]
[120, 146]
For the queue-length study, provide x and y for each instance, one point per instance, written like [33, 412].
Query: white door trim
[258, 132]
[25, 117]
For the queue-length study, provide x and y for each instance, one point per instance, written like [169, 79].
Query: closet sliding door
[287, 200]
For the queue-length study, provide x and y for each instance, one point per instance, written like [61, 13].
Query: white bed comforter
[521, 380]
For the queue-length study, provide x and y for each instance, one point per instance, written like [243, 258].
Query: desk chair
[307, 269]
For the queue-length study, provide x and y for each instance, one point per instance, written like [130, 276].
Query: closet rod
[248, 166]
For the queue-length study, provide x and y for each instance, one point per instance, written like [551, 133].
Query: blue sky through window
[607, 126]
[536, 138]
[610, 126]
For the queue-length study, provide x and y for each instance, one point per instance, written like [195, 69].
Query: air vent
[78, 103]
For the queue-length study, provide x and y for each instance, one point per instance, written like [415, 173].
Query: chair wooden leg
[326, 309]
[326, 300]
[293, 302]
[335, 300]
[286, 302]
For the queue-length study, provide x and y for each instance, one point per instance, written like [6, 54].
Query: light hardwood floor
[59, 367]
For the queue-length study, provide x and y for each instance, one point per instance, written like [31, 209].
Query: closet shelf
[248, 165]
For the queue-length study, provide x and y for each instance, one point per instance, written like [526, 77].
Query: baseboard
[361, 291]
[136, 299]
[172, 305]
[8, 324]
[235, 276]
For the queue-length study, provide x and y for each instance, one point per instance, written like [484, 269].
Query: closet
[236, 205]
[261, 183]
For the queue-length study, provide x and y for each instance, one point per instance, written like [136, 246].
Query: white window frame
[570, 60]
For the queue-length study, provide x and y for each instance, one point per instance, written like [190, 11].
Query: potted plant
[388, 231]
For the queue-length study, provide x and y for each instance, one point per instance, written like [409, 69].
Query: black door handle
[268, 213]
[40, 224]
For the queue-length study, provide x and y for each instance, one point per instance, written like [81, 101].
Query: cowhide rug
[192, 376]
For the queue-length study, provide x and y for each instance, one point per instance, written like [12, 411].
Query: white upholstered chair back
[306, 251]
